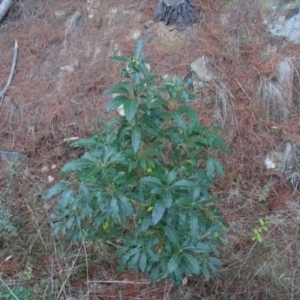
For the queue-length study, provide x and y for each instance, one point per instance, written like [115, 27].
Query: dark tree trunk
[178, 12]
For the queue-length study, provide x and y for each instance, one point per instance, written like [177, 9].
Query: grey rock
[176, 12]
[13, 156]
[60, 14]
[282, 18]
[199, 67]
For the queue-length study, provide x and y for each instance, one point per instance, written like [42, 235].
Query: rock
[177, 12]
[45, 169]
[50, 178]
[60, 14]
[274, 160]
[282, 18]
[199, 67]
[135, 34]
[148, 24]
[114, 49]
[70, 68]
[12, 155]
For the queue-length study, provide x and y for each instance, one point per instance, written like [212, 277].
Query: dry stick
[4, 7]
[11, 292]
[72, 267]
[12, 70]
[119, 281]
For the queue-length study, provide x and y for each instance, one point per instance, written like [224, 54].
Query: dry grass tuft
[275, 93]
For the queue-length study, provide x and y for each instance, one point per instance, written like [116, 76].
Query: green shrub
[6, 228]
[146, 177]
[17, 292]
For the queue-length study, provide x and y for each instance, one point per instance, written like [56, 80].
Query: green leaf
[143, 262]
[120, 58]
[130, 109]
[218, 167]
[158, 212]
[196, 192]
[170, 233]
[193, 116]
[85, 143]
[136, 138]
[205, 272]
[168, 199]
[192, 263]
[200, 248]
[152, 181]
[133, 262]
[194, 227]
[199, 139]
[66, 198]
[114, 209]
[173, 263]
[122, 87]
[144, 70]
[154, 275]
[127, 205]
[138, 48]
[123, 262]
[210, 168]
[177, 116]
[215, 261]
[84, 192]
[183, 184]
[171, 176]
[56, 189]
[70, 222]
[147, 221]
[116, 102]
[86, 161]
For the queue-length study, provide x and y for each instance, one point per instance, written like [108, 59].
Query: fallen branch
[12, 70]
[4, 7]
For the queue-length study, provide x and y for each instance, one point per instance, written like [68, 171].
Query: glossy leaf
[130, 109]
[183, 184]
[136, 138]
[121, 87]
[173, 263]
[77, 165]
[168, 199]
[66, 198]
[193, 116]
[152, 181]
[192, 263]
[116, 102]
[170, 233]
[171, 176]
[143, 262]
[126, 204]
[158, 211]
[56, 189]
[194, 227]
[114, 209]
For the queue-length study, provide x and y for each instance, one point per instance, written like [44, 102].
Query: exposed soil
[62, 70]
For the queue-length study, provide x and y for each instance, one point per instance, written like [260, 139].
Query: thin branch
[12, 70]
[4, 7]
[118, 281]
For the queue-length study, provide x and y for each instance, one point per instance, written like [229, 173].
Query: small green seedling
[264, 192]
[259, 230]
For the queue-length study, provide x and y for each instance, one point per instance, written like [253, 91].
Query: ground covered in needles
[57, 95]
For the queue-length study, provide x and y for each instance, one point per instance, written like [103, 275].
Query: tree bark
[176, 12]
[4, 7]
